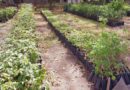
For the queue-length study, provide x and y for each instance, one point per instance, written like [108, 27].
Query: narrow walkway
[127, 22]
[66, 72]
[4, 31]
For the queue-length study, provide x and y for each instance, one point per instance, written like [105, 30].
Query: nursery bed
[87, 25]
[95, 18]
[19, 57]
[99, 83]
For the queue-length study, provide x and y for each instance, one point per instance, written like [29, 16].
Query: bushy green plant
[7, 13]
[114, 10]
[105, 54]
[18, 60]
[126, 7]
[86, 9]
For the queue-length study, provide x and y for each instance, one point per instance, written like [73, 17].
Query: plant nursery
[64, 45]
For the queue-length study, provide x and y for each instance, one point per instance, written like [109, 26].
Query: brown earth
[65, 72]
[4, 31]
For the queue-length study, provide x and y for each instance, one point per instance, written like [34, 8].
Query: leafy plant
[126, 7]
[105, 54]
[114, 10]
[84, 9]
[7, 13]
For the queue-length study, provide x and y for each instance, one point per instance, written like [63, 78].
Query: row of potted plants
[113, 11]
[19, 69]
[7, 13]
[100, 54]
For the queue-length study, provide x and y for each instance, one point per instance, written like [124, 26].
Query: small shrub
[105, 54]
[7, 13]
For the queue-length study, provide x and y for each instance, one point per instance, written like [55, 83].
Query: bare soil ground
[64, 69]
[4, 31]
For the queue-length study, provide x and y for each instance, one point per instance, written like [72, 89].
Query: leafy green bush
[105, 54]
[85, 9]
[114, 10]
[18, 67]
[111, 11]
[7, 13]
[126, 7]
[104, 51]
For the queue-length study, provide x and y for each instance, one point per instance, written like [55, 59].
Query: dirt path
[4, 31]
[65, 71]
[127, 22]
